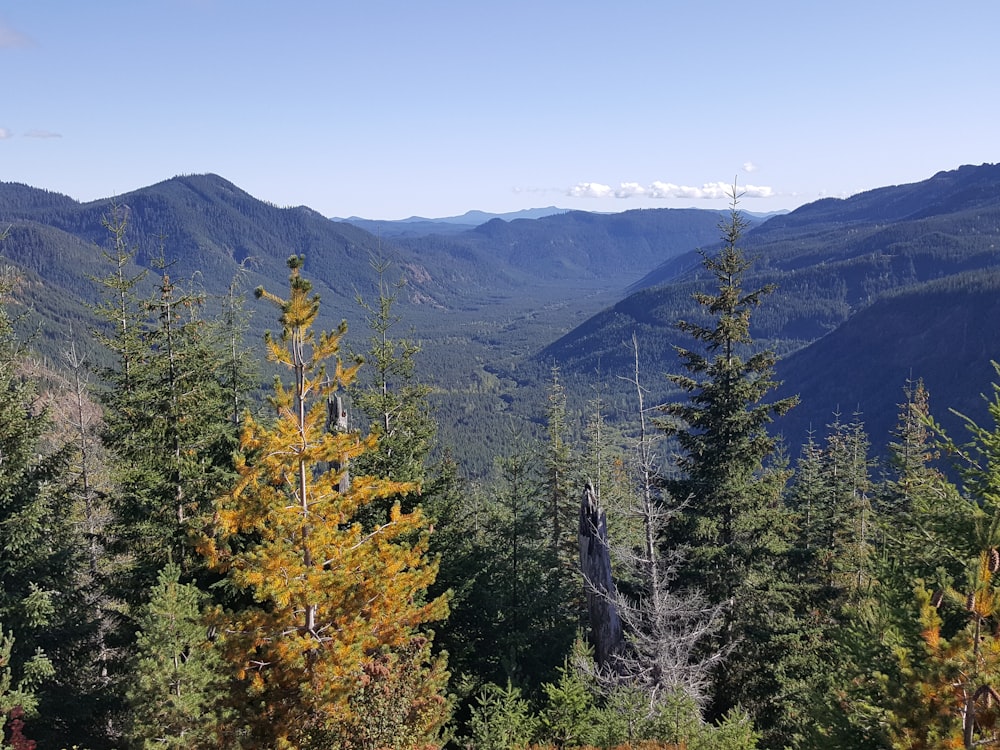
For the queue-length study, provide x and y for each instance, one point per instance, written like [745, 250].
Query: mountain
[493, 293]
[890, 284]
[576, 246]
[202, 226]
[938, 331]
[849, 274]
[419, 226]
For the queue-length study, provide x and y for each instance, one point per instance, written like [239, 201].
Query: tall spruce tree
[733, 528]
[337, 605]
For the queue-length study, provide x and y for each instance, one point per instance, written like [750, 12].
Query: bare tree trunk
[336, 421]
[595, 564]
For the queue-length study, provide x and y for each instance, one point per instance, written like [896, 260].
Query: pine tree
[332, 598]
[733, 528]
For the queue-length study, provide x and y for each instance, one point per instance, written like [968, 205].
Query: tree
[18, 699]
[167, 420]
[733, 526]
[332, 597]
[389, 396]
[502, 719]
[559, 475]
[38, 540]
[953, 681]
[177, 678]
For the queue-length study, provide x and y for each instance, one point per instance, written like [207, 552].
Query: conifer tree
[332, 598]
[38, 549]
[560, 481]
[167, 421]
[390, 397]
[733, 528]
[721, 428]
[953, 683]
[177, 679]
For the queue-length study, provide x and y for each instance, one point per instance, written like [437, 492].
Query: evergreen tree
[560, 481]
[38, 543]
[834, 573]
[167, 421]
[837, 526]
[951, 684]
[82, 702]
[177, 677]
[18, 697]
[733, 528]
[237, 371]
[502, 719]
[391, 399]
[332, 598]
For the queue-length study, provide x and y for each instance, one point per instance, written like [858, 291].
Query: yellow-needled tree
[335, 602]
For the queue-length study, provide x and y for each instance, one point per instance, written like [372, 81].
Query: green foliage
[21, 691]
[335, 605]
[178, 675]
[569, 715]
[501, 720]
[392, 402]
[733, 528]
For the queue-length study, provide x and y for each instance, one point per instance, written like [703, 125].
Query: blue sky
[387, 109]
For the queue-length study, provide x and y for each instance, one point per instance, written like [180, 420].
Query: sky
[386, 109]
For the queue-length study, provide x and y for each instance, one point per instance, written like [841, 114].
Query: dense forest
[188, 561]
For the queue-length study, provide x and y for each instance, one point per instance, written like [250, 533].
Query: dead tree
[595, 564]
[336, 421]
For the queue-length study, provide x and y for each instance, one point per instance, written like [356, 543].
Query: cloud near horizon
[5, 134]
[661, 190]
[42, 134]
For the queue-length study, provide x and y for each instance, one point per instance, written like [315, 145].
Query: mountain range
[892, 284]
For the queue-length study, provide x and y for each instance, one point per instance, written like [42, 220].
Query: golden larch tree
[332, 600]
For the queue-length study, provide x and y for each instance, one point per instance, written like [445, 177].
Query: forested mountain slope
[838, 263]
[497, 305]
[205, 228]
[942, 332]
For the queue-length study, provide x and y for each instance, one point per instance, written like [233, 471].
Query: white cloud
[665, 190]
[5, 134]
[42, 134]
[589, 190]
[629, 190]
[757, 191]
[749, 166]
[708, 191]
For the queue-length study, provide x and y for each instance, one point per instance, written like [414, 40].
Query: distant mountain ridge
[208, 231]
[417, 226]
